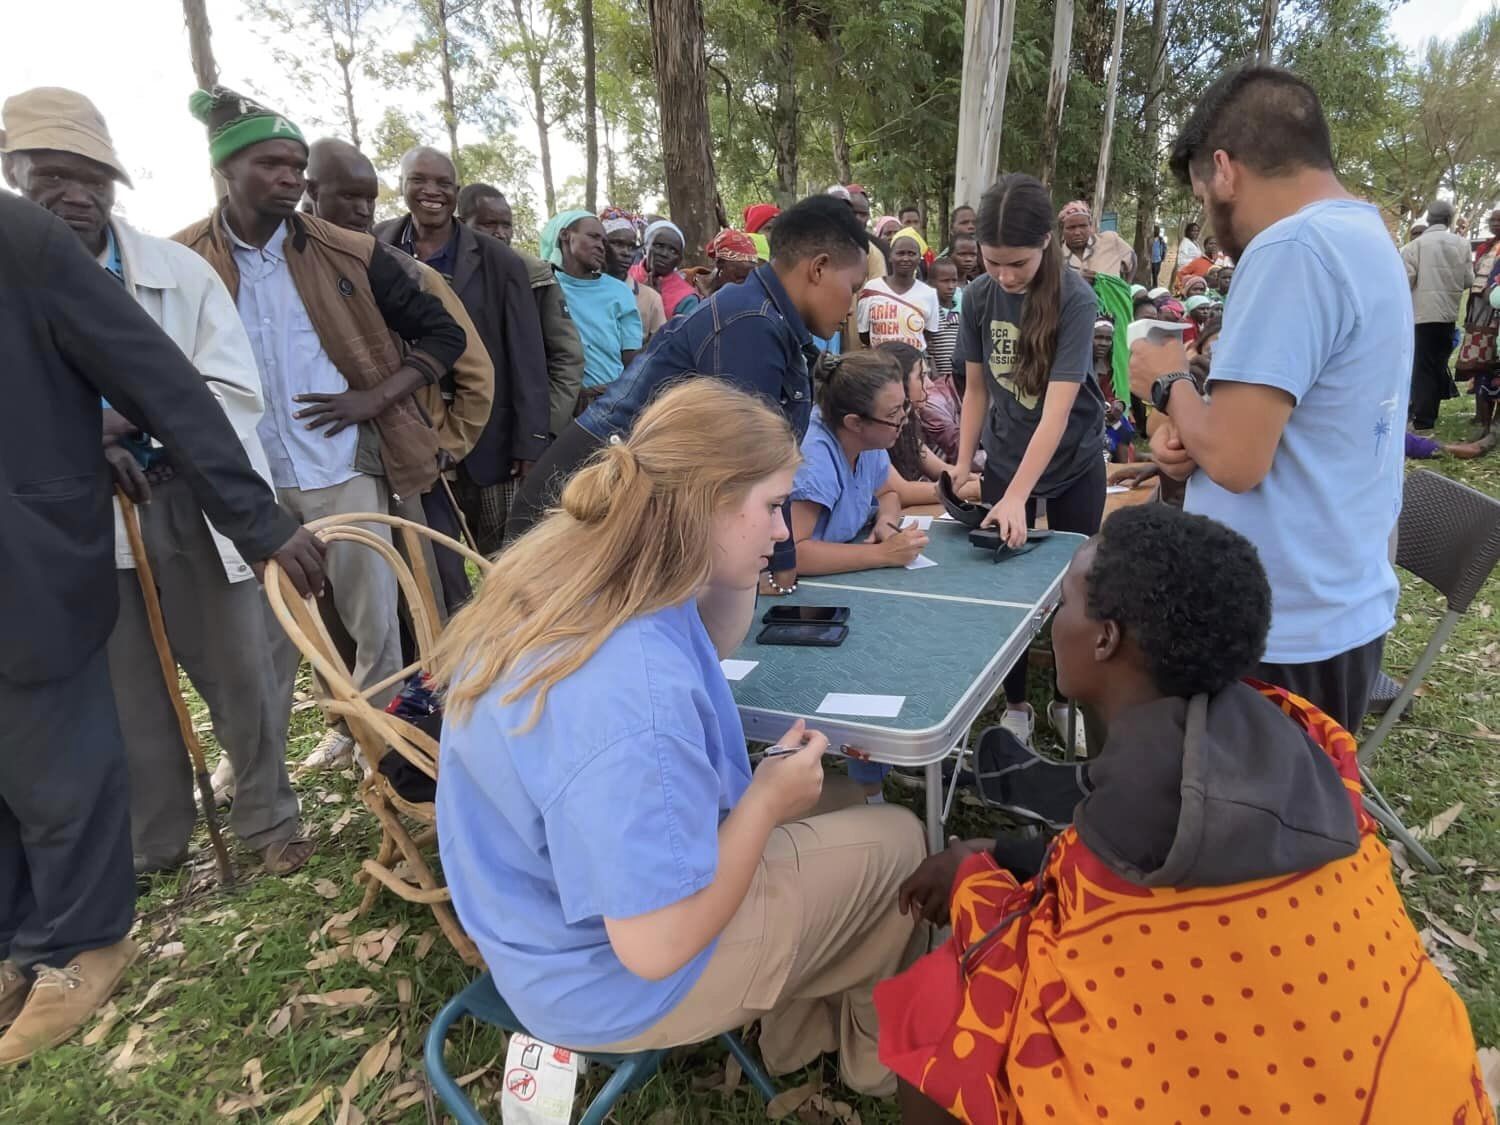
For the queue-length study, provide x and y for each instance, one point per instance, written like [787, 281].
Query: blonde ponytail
[633, 535]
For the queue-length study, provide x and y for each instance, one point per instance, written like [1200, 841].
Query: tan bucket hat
[62, 120]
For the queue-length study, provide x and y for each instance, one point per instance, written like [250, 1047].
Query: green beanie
[236, 122]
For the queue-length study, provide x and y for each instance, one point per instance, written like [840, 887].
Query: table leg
[934, 807]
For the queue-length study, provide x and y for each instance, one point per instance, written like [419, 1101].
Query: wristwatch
[1161, 390]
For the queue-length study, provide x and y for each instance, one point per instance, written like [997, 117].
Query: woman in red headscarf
[733, 256]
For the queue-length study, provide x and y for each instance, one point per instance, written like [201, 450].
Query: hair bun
[614, 470]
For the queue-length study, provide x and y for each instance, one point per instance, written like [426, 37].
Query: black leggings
[1079, 507]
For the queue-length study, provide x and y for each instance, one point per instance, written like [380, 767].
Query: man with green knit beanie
[342, 337]
[235, 122]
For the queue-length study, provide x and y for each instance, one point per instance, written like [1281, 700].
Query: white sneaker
[222, 779]
[335, 752]
[1057, 712]
[1021, 722]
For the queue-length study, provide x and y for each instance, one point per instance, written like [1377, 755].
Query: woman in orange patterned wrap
[1217, 936]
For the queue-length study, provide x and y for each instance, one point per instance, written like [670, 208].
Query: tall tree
[682, 100]
[785, 119]
[1106, 142]
[1057, 87]
[1150, 188]
[539, 31]
[590, 107]
[320, 45]
[989, 30]
[200, 43]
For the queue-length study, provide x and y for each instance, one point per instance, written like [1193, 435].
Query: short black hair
[819, 224]
[957, 236]
[945, 260]
[953, 218]
[1265, 117]
[1190, 592]
[470, 196]
[1190, 228]
[905, 207]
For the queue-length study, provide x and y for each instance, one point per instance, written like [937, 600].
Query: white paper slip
[737, 669]
[871, 706]
[921, 523]
[1117, 488]
[946, 516]
[921, 562]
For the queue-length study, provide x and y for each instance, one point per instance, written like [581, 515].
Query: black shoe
[1016, 779]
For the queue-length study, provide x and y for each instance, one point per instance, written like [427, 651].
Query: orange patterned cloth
[1306, 997]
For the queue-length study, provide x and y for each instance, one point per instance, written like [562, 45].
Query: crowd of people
[647, 448]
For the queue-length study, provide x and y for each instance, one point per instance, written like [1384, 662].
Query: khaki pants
[818, 929]
[364, 586]
[221, 632]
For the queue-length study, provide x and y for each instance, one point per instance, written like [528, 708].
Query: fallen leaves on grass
[1440, 823]
[424, 945]
[326, 888]
[1440, 960]
[788, 1102]
[1458, 938]
[338, 1000]
[342, 822]
[1489, 1070]
[371, 1063]
[108, 1017]
[129, 1055]
[232, 1105]
[171, 949]
[1491, 885]
[309, 1111]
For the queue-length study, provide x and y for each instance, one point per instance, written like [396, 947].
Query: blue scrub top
[608, 807]
[847, 496]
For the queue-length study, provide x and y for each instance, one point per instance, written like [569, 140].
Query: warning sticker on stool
[540, 1083]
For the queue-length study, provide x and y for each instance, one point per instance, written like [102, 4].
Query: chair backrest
[1449, 536]
[372, 728]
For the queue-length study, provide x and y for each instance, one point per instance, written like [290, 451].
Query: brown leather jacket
[356, 296]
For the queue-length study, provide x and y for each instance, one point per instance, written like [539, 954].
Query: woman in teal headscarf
[603, 307]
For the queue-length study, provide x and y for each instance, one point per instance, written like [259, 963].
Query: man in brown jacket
[342, 186]
[342, 429]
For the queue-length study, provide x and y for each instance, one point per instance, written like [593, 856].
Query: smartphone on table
[811, 635]
[806, 615]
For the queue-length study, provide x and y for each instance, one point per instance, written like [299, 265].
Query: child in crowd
[1119, 434]
[1027, 341]
[910, 455]
[1217, 934]
[606, 844]
[944, 339]
[847, 498]
[899, 306]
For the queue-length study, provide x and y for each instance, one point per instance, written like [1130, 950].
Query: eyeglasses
[905, 414]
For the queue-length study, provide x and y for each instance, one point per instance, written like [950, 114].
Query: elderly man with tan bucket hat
[59, 155]
[72, 334]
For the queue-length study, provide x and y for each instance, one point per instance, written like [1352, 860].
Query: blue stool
[482, 1001]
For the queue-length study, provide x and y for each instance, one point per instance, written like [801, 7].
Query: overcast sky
[131, 59]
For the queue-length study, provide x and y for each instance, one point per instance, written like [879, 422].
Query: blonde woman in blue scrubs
[628, 879]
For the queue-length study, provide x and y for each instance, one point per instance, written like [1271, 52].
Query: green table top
[942, 637]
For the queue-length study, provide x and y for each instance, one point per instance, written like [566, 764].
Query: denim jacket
[748, 334]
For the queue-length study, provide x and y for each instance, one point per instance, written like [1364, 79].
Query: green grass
[203, 1013]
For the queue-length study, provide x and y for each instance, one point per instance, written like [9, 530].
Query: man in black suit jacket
[71, 335]
[492, 282]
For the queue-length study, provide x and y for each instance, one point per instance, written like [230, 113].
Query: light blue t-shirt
[608, 320]
[1321, 309]
[608, 807]
[846, 495]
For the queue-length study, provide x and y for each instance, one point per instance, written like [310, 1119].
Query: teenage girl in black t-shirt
[1027, 340]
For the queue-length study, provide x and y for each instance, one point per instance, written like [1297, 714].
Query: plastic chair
[484, 1003]
[399, 866]
[1449, 538]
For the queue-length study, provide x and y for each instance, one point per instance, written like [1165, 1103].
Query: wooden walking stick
[174, 690]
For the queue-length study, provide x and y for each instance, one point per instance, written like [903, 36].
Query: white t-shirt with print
[890, 316]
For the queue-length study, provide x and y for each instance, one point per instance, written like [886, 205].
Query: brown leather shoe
[14, 987]
[63, 1000]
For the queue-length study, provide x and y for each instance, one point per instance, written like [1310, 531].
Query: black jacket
[492, 282]
[69, 335]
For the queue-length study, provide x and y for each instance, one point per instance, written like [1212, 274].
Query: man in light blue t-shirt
[1299, 444]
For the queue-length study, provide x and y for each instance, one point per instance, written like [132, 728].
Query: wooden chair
[374, 731]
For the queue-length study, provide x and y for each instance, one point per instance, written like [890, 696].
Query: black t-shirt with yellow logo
[990, 335]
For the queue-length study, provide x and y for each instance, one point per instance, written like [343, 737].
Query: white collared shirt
[292, 361]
